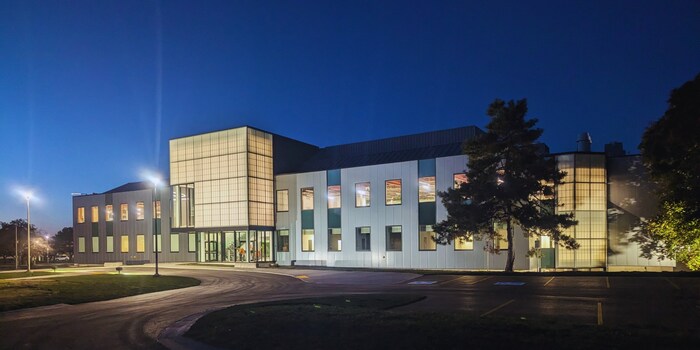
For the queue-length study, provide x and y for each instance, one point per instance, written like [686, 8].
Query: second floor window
[139, 211]
[81, 215]
[95, 214]
[362, 194]
[124, 211]
[307, 199]
[109, 212]
[283, 200]
[333, 197]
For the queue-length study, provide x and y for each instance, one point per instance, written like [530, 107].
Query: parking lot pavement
[672, 302]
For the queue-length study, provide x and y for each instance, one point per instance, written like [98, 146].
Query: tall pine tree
[510, 182]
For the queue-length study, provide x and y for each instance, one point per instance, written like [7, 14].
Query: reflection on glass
[333, 196]
[307, 198]
[362, 194]
[393, 192]
[426, 189]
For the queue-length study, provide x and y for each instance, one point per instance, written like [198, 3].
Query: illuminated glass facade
[583, 193]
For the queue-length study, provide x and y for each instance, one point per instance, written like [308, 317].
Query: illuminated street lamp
[155, 180]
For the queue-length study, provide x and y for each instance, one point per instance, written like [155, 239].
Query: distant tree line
[44, 248]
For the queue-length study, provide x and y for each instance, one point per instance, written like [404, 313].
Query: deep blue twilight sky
[90, 91]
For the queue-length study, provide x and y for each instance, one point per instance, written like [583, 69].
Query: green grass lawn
[369, 322]
[8, 275]
[81, 289]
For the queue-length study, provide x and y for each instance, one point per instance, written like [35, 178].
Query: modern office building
[247, 196]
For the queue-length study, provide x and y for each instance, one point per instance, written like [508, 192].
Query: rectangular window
[183, 205]
[95, 214]
[157, 242]
[426, 237]
[110, 244]
[81, 244]
[140, 243]
[362, 194]
[459, 179]
[335, 243]
[283, 241]
[502, 237]
[139, 211]
[393, 192]
[156, 209]
[174, 243]
[125, 244]
[95, 244]
[393, 238]
[282, 200]
[307, 198]
[333, 197]
[464, 243]
[124, 211]
[307, 240]
[426, 189]
[81, 215]
[191, 242]
[362, 239]
[109, 212]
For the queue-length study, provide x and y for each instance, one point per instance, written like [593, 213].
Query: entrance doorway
[209, 246]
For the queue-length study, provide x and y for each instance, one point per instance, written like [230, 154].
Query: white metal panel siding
[288, 220]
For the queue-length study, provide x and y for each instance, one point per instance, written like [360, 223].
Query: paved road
[136, 322]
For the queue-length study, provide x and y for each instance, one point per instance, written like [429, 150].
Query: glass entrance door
[211, 246]
[264, 246]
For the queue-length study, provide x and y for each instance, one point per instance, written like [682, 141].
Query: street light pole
[29, 242]
[16, 254]
[155, 224]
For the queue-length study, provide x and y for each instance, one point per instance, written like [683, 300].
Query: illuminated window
[464, 243]
[156, 209]
[362, 194]
[282, 241]
[191, 242]
[393, 192]
[110, 244]
[157, 242]
[139, 211]
[335, 243]
[140, 243]
[174, 243]
[502, 236]
[109, 212]
[459, 179]
[282, 200]
[426, 238]
[81, 215]
[125, 244]
[307, 199]
[393, 238]
[124, 210]
[333, 197]
[183, 203]
[95, 214]
[362, 238]
[307, 240]
[426, 189]
[95, 244]
[81, 244]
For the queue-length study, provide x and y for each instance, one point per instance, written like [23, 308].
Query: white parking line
[600, 313]
[550, 280]
[497, 308]
[607, 281]
[671, 282]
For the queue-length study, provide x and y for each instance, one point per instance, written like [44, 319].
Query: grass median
[19, 294]
[372, 322]
[8, 275]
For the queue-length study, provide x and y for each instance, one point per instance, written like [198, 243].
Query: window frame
[124, 214]
[81, 215]
[313, 241]
[388, 234]
[386, 197]
[278, 246]
[454, 244]
[330, 233]
[419, 239]
[454, 180]
[95, 214]
[434, 192]
[122, 245]
[328, 197]
[143, 211]
[109, 213]
[358, 233]
[369, 194]
[301, 199]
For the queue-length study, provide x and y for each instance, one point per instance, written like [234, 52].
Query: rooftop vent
[584, 142]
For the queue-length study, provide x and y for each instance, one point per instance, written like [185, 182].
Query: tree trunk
[511, 253]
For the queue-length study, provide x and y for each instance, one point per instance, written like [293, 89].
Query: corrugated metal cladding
[436, 144]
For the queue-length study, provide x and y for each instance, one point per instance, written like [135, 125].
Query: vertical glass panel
[463, 243]
[81, 244]
[109, 212]
[81, 215]
[110, 244]
[426, 189]
[334, 196]
[124, 211]
[307, 240]
[157, 242]
[174, 243]
[95, 244]
[362, 238]
[283, 200]
[307, 198]
[335, 243]
[362, 194]
[393, 238]
[139, 211]
[283, 241]
[124, 246]
[140, 243]
[156, 209]
[241, 242]
[459, 179]
[191, 242]
[95, 214]
[393, 192]
[426, 238]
